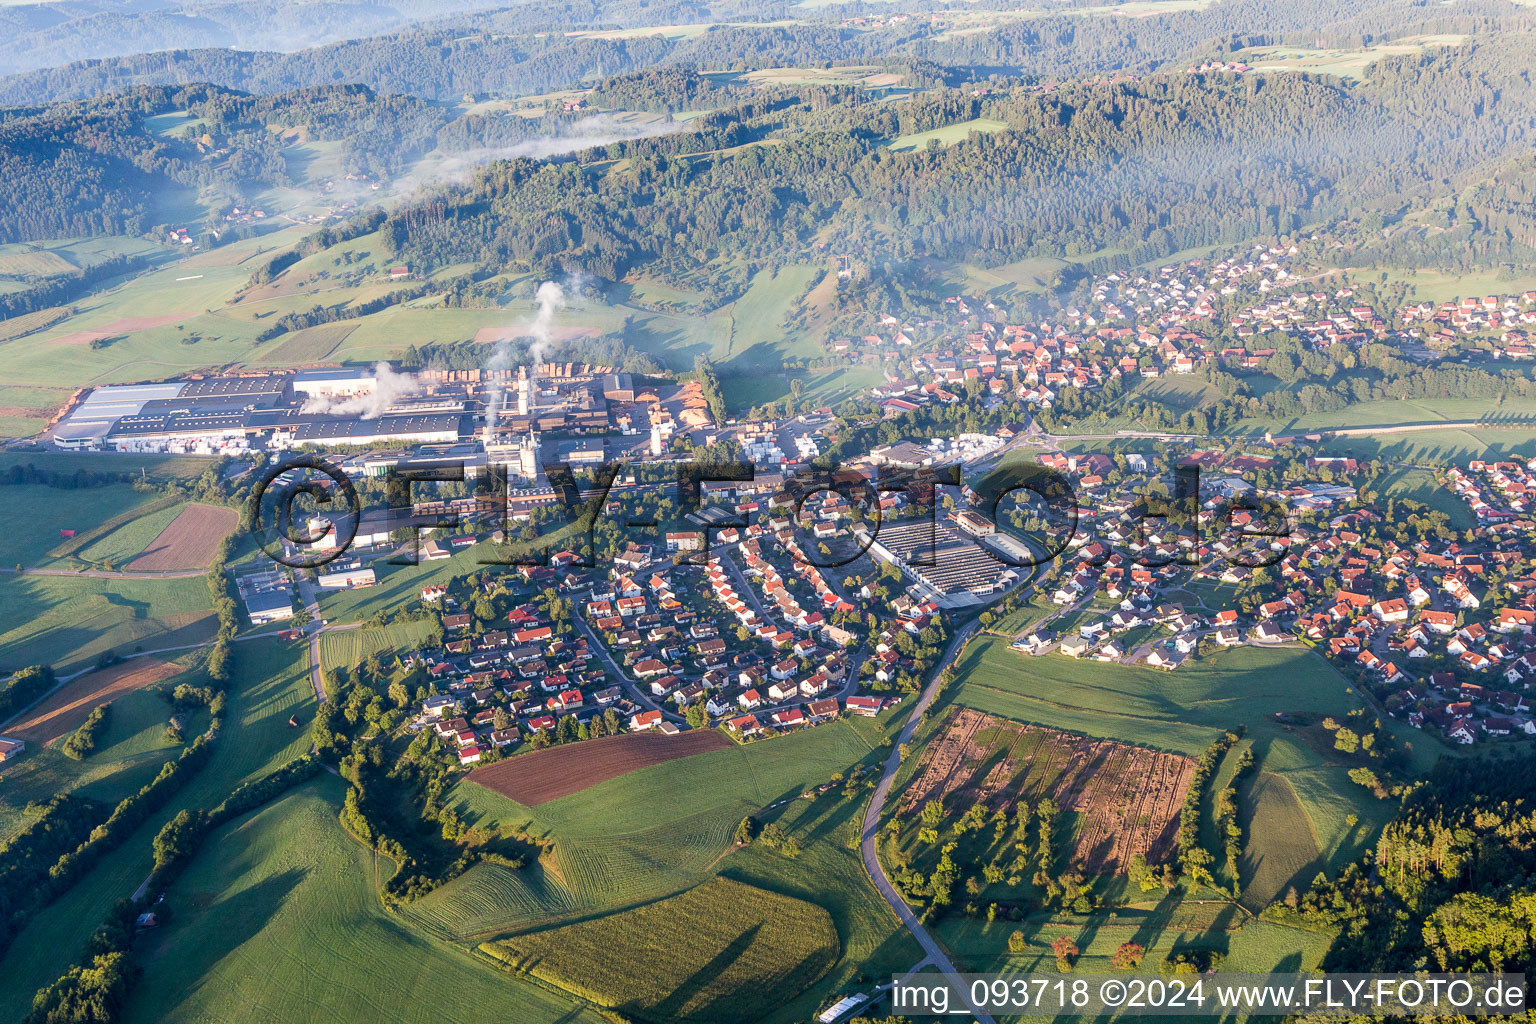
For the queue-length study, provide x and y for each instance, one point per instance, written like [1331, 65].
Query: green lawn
[70, 621]
[276, 919]
[270, 682]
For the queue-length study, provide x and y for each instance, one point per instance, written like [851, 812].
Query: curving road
[867, 851]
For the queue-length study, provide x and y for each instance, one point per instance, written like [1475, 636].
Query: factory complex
[505, 411]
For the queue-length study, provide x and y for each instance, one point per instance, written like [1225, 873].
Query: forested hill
[1139, 168]
[95, 167]
[34, 35]
[1451, 884]
[531, 48]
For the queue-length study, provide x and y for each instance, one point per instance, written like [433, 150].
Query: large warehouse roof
[94, 417]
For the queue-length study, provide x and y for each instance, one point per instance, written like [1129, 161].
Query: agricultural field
[1438, 286]
[268, 891]
[1398, 413]
[1420, 485]
[128, 755]
[118, 546]
[308, 345]
[1346, 63]
[737, 780]
[70, 621]
[269, 682]
[1183, 711]
[63, 710]
[1162, 926]
[188, 542]
[20, 326]
[351, 647]
[642, 835]
[540, 776]
[1443, 444]
[398, 584]
[755, 323]
[45, 257]
[821, 387]
[154, 468]
[724, 951]
[36, 513]
[664, 829]
[1124, 800]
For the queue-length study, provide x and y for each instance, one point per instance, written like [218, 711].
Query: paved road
[636, 691]
[312, 629]
[936, 954]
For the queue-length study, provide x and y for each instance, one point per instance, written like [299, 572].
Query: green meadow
[71, 621]
[270, 682]
[277, 919]
[130, 753]
[36, 513]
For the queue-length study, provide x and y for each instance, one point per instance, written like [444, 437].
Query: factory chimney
[525, 401]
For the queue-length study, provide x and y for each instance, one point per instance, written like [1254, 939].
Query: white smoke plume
[388, 388]
[550, 298]
[599, 130]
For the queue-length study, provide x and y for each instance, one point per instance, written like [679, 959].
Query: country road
[870, 855]
[105, 574]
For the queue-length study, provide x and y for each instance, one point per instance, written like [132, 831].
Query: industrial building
[230, 414]
[267, 595]
[362, 406]
[944, 564]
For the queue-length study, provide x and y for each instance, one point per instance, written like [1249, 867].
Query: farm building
[10, 748]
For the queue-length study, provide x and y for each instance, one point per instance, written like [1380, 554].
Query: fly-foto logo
[1165, 525]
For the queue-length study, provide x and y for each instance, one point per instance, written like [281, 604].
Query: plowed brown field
[548, 774]
[188, 542]
[63, 712]
[1124, 800]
